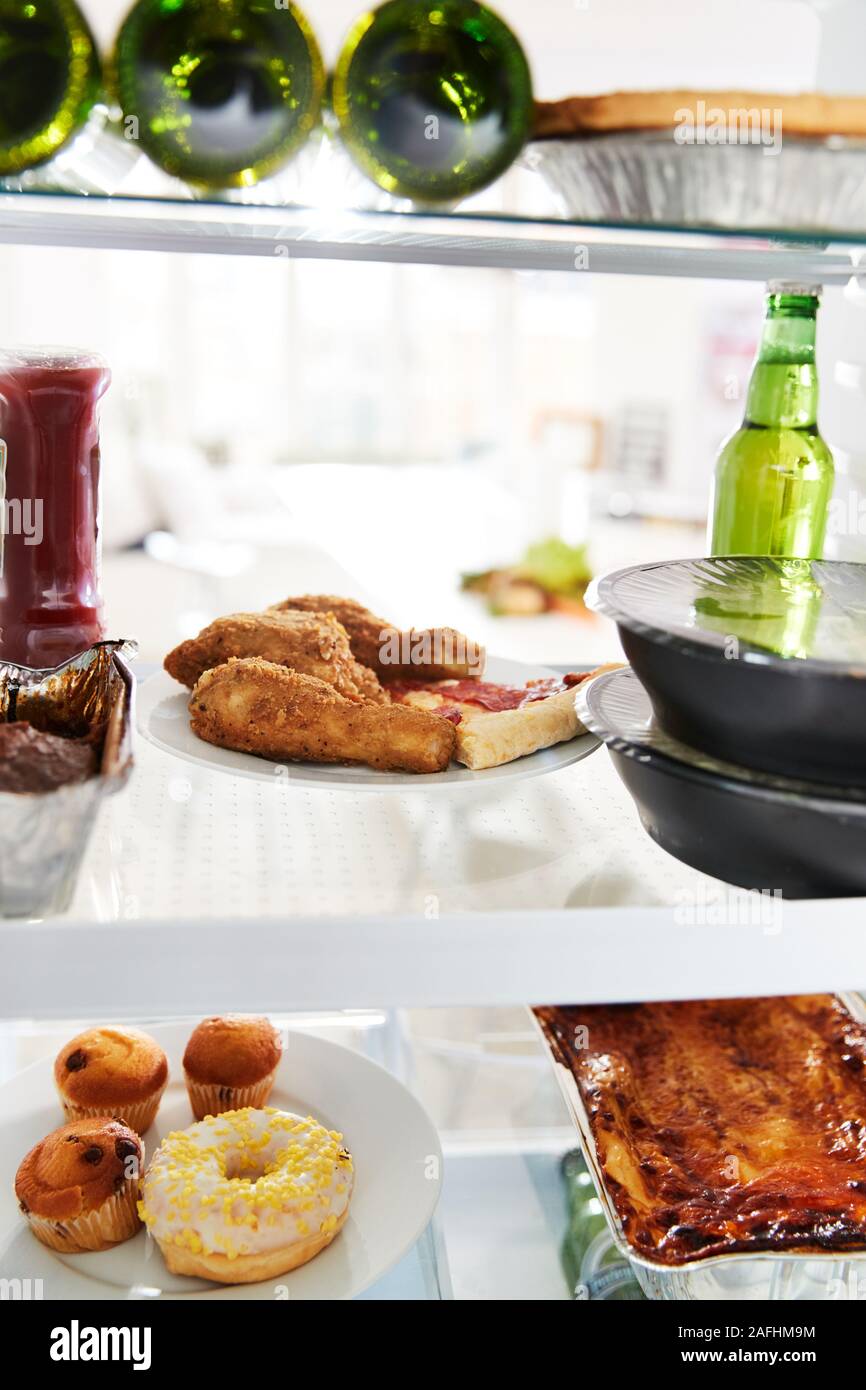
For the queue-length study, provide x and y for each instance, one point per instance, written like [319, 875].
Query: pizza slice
[497, 723]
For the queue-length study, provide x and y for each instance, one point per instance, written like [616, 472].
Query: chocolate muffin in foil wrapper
[44, 833]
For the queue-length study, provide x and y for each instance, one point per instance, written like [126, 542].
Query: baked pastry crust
[492, 737]
[806, 114]
[489, 739]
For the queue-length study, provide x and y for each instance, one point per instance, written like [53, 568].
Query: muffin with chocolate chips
[79, 1188]
[112, 1071]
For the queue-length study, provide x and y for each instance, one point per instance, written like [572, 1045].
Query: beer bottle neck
[783, 388]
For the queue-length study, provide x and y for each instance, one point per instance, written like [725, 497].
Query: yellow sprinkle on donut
[244, 1182]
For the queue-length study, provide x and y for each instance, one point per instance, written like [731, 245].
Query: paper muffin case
[139, 1116]
[216, 1100]
[115, 1221]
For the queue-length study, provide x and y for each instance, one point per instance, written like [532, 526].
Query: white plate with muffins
[262, 1166]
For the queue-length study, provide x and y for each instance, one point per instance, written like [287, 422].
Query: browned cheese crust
[724, 1125]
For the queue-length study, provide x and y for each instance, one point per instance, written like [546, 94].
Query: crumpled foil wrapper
[646, 178]
[43, 835]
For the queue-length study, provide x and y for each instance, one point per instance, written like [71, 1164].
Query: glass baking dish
[790, 1276]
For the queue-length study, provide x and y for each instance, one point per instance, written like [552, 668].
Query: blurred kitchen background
[277, 426]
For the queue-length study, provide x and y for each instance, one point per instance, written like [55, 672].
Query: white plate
[396, 1151]
[163, 719]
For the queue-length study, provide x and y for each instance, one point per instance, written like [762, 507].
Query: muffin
[112, 1071]
[79, 1187]
[230, 1063]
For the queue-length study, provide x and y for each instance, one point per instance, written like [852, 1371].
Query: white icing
[197, 1185]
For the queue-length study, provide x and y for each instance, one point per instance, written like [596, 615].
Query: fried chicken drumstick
[422, 654]
[313, 644]
[255, 706]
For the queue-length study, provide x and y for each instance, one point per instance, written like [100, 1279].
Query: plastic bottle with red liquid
[50, 600]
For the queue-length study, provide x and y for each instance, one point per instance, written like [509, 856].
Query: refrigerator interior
[381, 422]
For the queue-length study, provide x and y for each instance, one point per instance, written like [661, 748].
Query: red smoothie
[50, 601]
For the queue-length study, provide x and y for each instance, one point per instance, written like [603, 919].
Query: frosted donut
[246, 1195]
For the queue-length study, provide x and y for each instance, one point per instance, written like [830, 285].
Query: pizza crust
[489, 739]
[806, 114]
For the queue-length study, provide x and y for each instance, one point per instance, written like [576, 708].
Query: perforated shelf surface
[203, 891]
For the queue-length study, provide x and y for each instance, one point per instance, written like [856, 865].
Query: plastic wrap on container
[648, 179]
[43, 834]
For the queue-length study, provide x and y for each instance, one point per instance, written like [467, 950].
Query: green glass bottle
[434, 100]
[774, 476]
[594, 1268]
[49, 79]
[777, 609]
[220, 93]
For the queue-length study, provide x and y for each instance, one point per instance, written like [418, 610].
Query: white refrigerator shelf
[202, 891]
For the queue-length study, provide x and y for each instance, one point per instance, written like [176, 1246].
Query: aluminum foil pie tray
[645, 178]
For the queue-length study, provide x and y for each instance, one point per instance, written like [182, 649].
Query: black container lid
[801, 615]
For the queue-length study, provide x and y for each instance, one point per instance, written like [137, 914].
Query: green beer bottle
[434, 100]
[774, 476]
[777, 609]
[49, 79]
[222, 92]
[594, 1268]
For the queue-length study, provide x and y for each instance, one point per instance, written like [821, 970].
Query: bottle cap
[793, 287]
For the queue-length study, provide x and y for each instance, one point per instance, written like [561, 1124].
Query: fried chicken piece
[438, 653]
[255, 706]
[314, 644]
